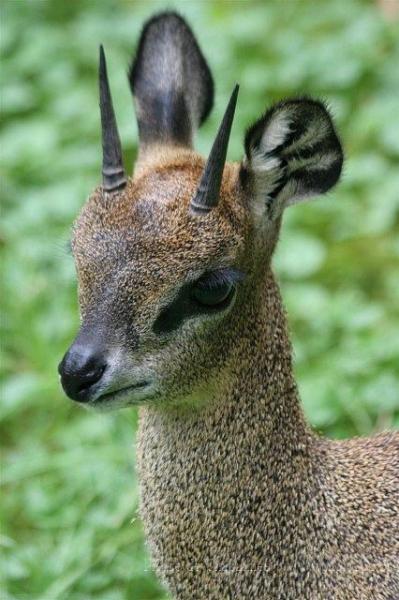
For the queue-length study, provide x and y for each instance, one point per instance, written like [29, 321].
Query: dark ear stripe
[293, 152]
[328, 144]
[279, 184]
[254, 133]
[318, 180]
[304, 179]
[305, 109]
[171, 82]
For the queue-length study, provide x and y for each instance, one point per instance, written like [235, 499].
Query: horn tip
[234, 94]
[102, 63]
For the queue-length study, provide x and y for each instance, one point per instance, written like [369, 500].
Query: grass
[69, 503]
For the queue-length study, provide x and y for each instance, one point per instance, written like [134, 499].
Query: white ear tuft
[275, 133]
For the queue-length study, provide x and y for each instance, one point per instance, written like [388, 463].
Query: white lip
[123, 397]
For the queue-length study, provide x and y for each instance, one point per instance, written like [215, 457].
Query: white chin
[122, 398]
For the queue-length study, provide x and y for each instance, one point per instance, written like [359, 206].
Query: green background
[69, 501]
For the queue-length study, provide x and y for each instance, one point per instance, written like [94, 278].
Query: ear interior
[292, 153]
[171, 82]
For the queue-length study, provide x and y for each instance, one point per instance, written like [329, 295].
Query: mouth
[121, 393]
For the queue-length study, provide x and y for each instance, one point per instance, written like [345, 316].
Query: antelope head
[168, 259]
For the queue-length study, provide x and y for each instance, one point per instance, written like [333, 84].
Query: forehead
[149, 222]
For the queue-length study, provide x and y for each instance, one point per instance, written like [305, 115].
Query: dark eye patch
[185, 305]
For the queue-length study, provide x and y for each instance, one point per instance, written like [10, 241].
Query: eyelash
[217, 278]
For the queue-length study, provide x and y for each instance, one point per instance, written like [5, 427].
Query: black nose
[80, 369]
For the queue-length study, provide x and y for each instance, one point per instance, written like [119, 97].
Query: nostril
[92, 376]
[80, 370]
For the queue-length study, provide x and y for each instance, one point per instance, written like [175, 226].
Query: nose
[80, 369]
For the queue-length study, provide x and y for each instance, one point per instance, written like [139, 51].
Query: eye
[213, 289]
[212, 292]
[212, 296]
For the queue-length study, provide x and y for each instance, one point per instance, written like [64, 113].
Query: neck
[259, 383]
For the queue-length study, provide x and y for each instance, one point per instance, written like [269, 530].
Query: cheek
[192, 351]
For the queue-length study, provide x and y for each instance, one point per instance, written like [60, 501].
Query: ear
[171, 83]
[292, 153]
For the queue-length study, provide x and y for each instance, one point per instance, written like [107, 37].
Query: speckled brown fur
[239, 498]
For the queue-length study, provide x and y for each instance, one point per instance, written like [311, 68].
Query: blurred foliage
[69, 490]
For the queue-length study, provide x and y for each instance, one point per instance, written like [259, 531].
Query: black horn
[113, 171]
[207, 195]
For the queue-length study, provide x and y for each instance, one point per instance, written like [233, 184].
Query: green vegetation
[69, 498]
